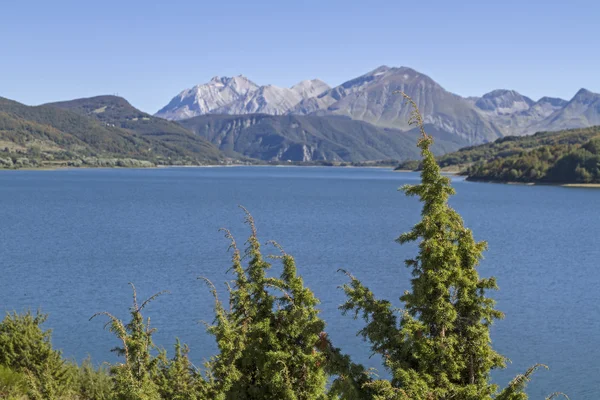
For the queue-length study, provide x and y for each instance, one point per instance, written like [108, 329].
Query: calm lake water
[71, 240]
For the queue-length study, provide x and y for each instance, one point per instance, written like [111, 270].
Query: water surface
[71, 240]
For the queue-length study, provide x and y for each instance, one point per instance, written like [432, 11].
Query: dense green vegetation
[47, 136]
[116, 111]
[31, 369]
[568, 163]
[272, 344]
[570, 156]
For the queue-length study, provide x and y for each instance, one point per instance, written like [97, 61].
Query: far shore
[567, 185]
[445, 172]
[582, 185]
[62, 167]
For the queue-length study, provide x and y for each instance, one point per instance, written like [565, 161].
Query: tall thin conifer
[439, 346]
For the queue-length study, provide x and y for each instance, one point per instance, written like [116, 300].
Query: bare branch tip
[278, 246]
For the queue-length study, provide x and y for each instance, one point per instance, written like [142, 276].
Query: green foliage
[269, 337]
[147, 373]
[26, 349]
[178, 379]
[515, 389]
[135, 378]
[439, 346]
[571, 156]
[12, 384]
[90, 383]
[116, 111]
[550, 164]
[50, 136]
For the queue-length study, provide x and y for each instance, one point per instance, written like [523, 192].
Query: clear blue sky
[148, 51]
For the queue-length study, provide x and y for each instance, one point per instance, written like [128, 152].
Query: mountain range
[106, 131]
[262, 136]
[371, 98]
[239, 95]
[232, 119]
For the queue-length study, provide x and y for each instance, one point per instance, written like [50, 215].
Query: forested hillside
[116, 111]
[47, 136]
[569, 156]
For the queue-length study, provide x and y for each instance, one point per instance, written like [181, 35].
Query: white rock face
[502, 102]
[372, 98]
[310, 88]
[266, 100]
[238, 95]
[208, 98]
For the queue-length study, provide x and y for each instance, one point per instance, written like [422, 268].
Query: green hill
[47, 136]
[311, 138]
[570, 156]
[116, 111]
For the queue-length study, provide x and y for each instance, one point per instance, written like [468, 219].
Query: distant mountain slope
[310, 88]
[514, 114]
[49, 135]
[116, 111]
[582, 111]
[569, 156]
[238, 95]
[310, 138]
[371, 98]
[502, 102]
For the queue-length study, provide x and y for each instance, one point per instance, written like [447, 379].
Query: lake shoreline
[64, 168]
[451, 173]
[572, 185]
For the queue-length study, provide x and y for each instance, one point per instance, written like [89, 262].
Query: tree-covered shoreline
[565, 157]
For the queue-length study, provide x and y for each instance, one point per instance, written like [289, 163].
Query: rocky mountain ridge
[238, 95]
[371, 98]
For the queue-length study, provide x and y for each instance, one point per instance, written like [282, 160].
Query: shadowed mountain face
[311, 138]
[371, 98]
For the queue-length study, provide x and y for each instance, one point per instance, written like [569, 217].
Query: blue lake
[71, 240]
